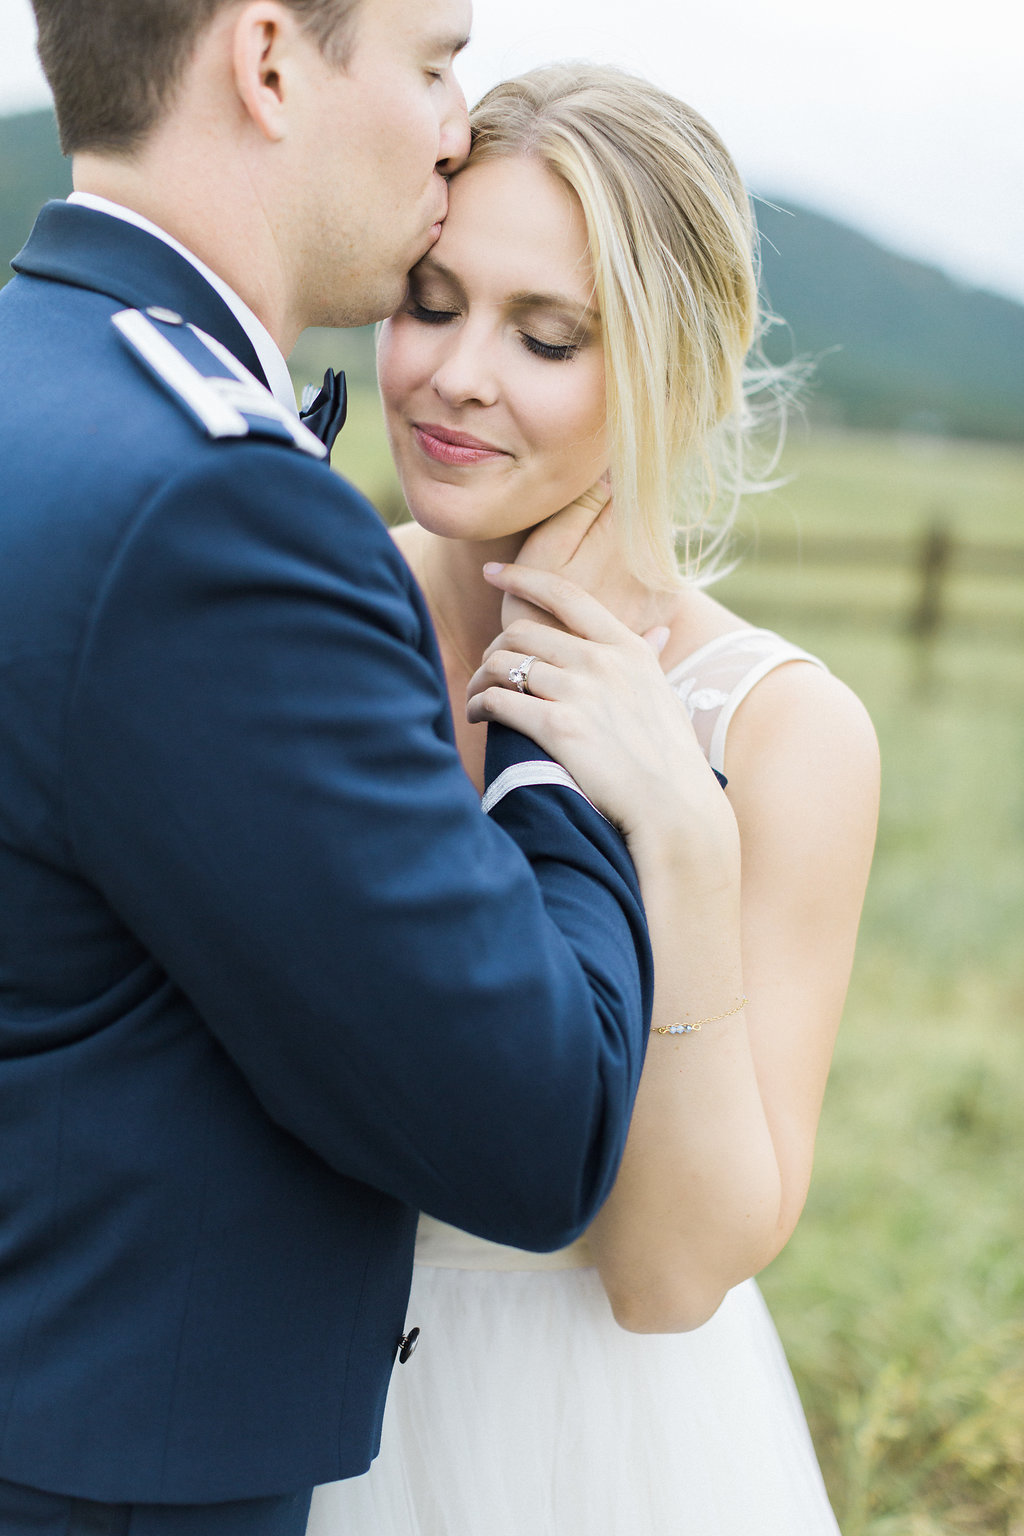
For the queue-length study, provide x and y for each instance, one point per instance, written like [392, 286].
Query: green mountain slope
[897, 343]
[32, 169]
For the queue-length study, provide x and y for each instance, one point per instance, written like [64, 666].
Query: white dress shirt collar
[264, 345]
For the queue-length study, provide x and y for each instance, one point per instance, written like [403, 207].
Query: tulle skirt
[526, 1411]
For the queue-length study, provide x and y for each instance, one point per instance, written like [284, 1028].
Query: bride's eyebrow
[560, 304]
[429, 266]
[579, 317]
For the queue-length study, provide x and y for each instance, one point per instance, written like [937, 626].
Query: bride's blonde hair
[674, 249]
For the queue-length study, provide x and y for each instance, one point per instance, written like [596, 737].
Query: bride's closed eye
[428, 316]
[556, 352]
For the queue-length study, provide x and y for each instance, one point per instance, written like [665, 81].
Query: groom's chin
[343, 307]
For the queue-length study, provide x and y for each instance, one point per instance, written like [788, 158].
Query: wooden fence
[945, 583]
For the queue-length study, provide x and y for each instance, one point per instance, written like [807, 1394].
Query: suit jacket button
[407, 1344]
[166, 316]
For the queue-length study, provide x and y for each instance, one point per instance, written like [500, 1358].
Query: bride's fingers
[555, 541]
[657, 638]
[513, 608]
[523, 712]
[498, 666]
[574, 608]
[532, 637]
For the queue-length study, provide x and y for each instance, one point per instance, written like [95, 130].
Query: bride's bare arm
[719, 1154]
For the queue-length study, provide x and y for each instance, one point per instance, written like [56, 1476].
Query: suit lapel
[89, 249]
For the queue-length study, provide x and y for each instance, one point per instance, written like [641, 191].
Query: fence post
[928, 612]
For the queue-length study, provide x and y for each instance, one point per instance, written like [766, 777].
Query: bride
[588, 312]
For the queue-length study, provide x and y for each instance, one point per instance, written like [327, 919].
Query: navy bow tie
[325, 413]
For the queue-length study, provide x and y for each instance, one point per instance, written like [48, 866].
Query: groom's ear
[266, 50]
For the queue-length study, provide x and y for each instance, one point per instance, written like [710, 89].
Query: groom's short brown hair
[113, 64]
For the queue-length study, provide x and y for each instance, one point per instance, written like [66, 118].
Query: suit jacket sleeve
[260, 777]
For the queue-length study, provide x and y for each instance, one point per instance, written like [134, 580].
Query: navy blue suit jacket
[270, 980]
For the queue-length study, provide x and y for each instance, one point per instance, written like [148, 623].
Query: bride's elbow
[664, 1308]
[677, 1286]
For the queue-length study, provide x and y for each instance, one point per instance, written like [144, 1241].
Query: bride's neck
[466, 607]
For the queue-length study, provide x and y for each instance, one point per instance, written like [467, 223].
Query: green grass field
[901, 1297]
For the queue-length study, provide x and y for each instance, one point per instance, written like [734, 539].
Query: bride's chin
[441, 527]
[446, 522]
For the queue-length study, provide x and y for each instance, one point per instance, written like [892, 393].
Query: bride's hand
[599, 704]
[583, 542]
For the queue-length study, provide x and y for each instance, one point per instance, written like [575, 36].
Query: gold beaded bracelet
[689, 1029]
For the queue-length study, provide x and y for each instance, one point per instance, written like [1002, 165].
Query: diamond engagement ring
[520, 675]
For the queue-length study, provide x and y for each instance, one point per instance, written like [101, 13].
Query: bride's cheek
[398, 358]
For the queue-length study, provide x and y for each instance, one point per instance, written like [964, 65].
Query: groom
[270, 982]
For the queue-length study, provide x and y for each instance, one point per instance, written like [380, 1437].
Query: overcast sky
[900, 117]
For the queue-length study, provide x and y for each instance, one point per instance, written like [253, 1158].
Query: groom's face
[384, 132]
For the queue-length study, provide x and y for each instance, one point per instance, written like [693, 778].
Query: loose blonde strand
[673, 244]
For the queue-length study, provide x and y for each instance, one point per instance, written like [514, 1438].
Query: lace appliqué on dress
[714, 681]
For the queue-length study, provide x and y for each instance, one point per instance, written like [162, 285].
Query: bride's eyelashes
[430, 316]
[556, 352]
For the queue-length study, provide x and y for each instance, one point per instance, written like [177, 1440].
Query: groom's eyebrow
[450, 44]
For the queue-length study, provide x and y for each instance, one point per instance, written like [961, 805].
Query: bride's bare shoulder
[698, 618]
[799, 723]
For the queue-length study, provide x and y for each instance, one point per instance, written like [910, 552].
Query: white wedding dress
[526, 1410]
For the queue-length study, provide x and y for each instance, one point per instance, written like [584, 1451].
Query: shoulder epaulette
[215, 389]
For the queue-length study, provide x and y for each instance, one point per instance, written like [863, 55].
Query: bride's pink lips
[450, 447]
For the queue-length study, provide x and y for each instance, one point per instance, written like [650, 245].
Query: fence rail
[934, 561]
[891, 552]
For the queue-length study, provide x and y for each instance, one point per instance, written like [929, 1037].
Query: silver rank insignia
[213, 386]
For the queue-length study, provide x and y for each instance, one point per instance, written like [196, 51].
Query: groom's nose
[454, 144]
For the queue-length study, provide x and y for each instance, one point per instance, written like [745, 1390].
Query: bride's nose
[467, 372]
